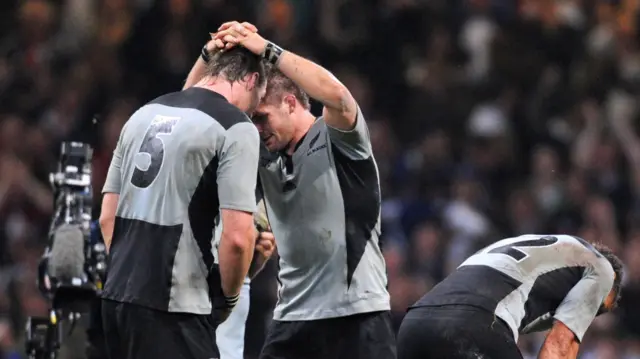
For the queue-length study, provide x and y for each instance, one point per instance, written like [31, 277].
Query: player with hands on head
[319, 180]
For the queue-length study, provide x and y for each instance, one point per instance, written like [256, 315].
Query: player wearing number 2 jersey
[181, 160]
[514, 286]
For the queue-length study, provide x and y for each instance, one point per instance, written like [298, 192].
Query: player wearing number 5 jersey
[514, 286]
[181, 160]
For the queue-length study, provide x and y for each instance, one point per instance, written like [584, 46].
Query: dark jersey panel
[478, 286]
[138, 246]
[547, 292]
[203, 210]
[211, 103]
[360, 190]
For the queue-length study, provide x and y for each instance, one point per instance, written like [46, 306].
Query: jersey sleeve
[113, 182]
[580, 306]
[356, 143]
[238, 168]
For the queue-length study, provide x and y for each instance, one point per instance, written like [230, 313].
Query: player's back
[523, 280]
[162, 245]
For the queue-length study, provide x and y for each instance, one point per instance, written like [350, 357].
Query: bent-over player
[322, 195]
[514, 286]
[181, 160]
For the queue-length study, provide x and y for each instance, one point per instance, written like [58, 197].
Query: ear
[252, 81]
[290, 103]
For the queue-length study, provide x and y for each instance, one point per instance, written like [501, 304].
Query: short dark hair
[278, 84]
[235, 64]
[618, 269]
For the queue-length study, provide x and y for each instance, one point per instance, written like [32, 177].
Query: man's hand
[265, 246]
[246, 35]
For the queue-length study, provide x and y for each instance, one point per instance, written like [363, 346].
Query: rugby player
[515, 286]
[230, 333]
[182, 160]
[322, 194]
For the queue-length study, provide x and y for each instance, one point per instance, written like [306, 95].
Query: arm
[236, 178]
[340, 108]
[108, 217]
[560, 343]
[213, 47]
[111, 190]
[580, 307]
[198, 70]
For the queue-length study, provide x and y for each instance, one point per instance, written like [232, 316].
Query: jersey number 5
[512, 250]
[153, 147]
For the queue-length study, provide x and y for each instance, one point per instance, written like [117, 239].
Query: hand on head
[234, 33]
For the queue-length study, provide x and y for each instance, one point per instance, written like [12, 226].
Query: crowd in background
[489, 118]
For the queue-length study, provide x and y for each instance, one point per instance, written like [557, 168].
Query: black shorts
[360, 336]
[455, 332]
[136, 332]
[96, 346]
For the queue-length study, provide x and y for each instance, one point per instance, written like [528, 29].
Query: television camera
[72, 269]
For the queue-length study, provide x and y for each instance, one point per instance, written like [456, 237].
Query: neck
[217, 85]
[303, 124]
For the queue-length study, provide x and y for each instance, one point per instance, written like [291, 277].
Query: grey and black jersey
[530, 280]
[179, 160]
[323, 205]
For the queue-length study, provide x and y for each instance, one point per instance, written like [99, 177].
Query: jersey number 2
[512, 250]
[153, 146]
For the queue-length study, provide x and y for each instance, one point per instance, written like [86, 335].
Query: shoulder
[588, 256]
[208, 102]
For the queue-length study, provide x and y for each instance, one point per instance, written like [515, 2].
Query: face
[274, 125]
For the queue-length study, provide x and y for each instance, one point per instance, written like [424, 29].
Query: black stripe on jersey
[474, 285]
[548, 291]
[360, 190]
[207, 101]
[141, 260]
[203, 209]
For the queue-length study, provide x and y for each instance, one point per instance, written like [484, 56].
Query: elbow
[239, 241]
[105, 221]
[340, 96]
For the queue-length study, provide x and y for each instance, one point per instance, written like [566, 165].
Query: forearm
[554, 352]
[316, 81]
[556, 347]
[196, 73]
[199, 67]
[235, 255]
[106, 228]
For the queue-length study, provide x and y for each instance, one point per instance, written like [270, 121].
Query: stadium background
[488, 118]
